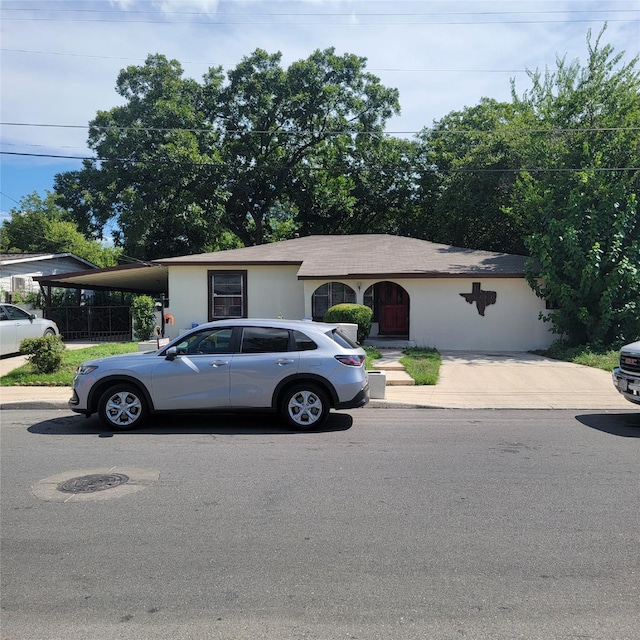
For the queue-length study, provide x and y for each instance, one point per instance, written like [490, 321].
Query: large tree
[581, 132]
[465, 171]
[181, 164]
[367, 188]
[42, 225]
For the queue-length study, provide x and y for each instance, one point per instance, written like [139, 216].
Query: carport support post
[46, 294]
[160, 302]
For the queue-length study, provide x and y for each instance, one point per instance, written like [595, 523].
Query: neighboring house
[17, 270]
[425, 293]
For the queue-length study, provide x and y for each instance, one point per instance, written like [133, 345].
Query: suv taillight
[350, 361]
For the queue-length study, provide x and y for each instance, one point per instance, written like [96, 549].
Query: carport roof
[133, 278]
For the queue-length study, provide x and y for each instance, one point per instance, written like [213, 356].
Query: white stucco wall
[271, 292]
[439, 317]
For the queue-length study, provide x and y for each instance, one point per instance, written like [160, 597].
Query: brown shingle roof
[365, 255]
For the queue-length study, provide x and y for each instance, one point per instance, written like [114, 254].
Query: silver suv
[298, 368]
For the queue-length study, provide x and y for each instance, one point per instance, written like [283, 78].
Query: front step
[395, 373]
[397, 378]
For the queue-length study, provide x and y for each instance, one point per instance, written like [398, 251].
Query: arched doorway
[390, 304]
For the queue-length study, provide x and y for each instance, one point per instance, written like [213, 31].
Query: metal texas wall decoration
[482, 298]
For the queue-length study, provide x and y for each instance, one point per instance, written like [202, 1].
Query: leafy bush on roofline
[358, 314]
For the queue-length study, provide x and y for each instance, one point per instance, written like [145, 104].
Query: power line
[552, 130]
[4, 195]
[349, 13]
[350, 24]
[215, 64]
[431, 168]
[354, 18]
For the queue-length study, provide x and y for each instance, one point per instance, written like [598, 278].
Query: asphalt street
[390, 524]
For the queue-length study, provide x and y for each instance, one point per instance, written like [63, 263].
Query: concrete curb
[467, 381]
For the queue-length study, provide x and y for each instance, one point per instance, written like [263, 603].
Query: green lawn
[603, 358]
[25, 376]
[423, 365]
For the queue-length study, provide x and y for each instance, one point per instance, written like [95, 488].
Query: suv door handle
[219, 363]
[282, 361]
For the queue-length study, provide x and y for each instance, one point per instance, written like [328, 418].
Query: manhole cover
[90, 485]
[93, 483]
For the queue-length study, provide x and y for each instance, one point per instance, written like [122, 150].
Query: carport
[102, 323]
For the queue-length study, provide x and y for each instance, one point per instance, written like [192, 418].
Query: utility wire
[349, 24]
[230, 65]
[552, 130]
[431, 168]
[325, 13]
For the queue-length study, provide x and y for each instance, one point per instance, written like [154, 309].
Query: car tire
[49, 332]
[122, 408]
[304, 407]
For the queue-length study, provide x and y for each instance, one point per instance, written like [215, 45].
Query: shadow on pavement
[626, 425]
[219, 424]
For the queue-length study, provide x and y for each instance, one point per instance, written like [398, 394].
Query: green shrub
[144, 317]
[45, 354]
[358, 314]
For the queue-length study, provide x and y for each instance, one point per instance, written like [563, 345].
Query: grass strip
[372, 354]
[25, 376]
[603, 358]
[422, 364]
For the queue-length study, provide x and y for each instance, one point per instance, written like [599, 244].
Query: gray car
[16, 324]
[298, 368]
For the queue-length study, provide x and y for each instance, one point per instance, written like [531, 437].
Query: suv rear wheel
[122, 407]
[304, 407]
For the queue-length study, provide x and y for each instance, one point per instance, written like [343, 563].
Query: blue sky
[60, 60]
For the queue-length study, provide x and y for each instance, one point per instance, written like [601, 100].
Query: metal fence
[92, 323]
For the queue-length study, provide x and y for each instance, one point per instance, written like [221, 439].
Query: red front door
[393, 303]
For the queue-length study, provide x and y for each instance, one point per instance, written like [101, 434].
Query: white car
[16, 324]
[626, 377]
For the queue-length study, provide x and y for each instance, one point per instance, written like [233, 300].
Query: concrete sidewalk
[467, 381]
[510, 381]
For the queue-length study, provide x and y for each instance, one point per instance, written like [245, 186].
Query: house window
[329, 294]
[227, 294]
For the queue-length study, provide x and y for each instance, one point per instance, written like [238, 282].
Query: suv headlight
[84, 369]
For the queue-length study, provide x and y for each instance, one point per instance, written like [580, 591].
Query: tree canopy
[264, 152]
[554, 174]
[181, 162]
[42, 226]
[581, 208]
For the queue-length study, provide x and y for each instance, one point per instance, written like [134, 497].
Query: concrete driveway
[512, 380]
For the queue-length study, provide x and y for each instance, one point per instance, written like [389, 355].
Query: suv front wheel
[122, 407]
[304, 407]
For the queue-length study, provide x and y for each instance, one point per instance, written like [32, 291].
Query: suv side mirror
[171, 353]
